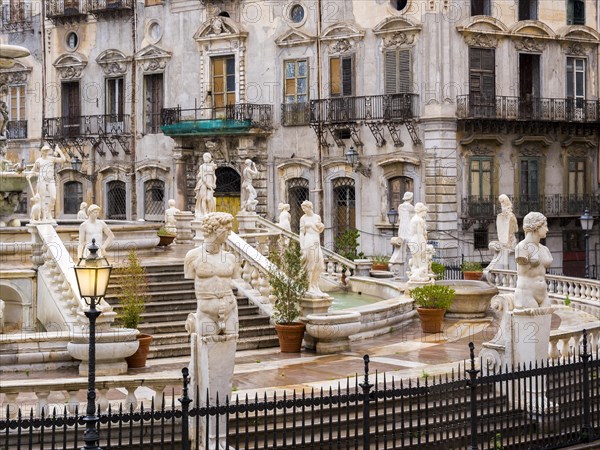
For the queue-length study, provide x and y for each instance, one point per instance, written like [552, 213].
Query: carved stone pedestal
[198, 235]
[246, 222]
[185, 235]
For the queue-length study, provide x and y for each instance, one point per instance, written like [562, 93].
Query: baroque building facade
[457, 101]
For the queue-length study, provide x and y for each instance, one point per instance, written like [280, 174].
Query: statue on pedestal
[205, 187]
[249, 202]
[311, 228]
[170, 220]
[507, 227]
[82, 213]
[94, 228]
[421, 255]
[214, 325]
[406, 211]
[46, 184]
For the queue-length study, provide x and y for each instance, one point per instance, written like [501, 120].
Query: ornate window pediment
[70, 66]
[341, 37]
[153, 58]
[294, 37]
[17, 74]
[532, 28]
[396, 32]
[113, 62]
[481, 145]
[580, 33]
[220, 28]
[483, 31]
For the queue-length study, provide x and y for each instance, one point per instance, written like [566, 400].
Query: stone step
[151, 315]
[156, 328]
[159, 296]
[187, 304]
[250, 343]
[182, 337]
[154, 286]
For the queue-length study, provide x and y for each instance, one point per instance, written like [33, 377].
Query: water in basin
[343, 300]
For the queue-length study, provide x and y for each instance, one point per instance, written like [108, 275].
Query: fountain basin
[472, 298]
[332, 330]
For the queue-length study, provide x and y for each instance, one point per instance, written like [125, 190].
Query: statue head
[306, 206]
[83, 206]
[248, 162]
[213, 224]
[535, 222]
[408, 196]
[284, 207]
[171, 203]
[421, 209]
[93, 210]
[45, 149]
[207, 157]
[504, 201]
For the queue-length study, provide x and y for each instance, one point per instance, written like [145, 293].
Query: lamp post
[392, 215]
[352, 157]
[587, 223]
[92, 275]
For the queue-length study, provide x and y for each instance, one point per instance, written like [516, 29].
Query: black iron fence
[555, 205]
[107, 5]
[549, 405]
[16, 17]
[65, 8]
[259, 116]
[294, 114]
[391, 107]
[87, 126]
[527, 108]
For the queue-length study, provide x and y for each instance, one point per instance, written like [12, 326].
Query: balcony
[544, 113]
[66, 11]
[76, 130]
[395, 107]
[295, 114]
[16, 18]
[243, 118]
[552, 206]
[110, 8]
[17, 129]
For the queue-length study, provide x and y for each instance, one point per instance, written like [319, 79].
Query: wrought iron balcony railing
[58, 9]
[241, 115]
[109, 6]
[556, 205]
[528, 109]
[17, 129]
[391, 107]
[16, 17]
[86, 126]
[293, 114]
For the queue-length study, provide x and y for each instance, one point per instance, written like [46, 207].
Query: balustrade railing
[259, 116]
[389, 107]
[17, 129]
[522, 108]
[294, 114]
[65, 8]
[108, 5]
[16, 17]
[98, 125]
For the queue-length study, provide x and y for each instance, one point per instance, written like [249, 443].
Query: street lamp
[92, 275]
[352, 157]
[587, 223]
[392, 215]
[76, 164]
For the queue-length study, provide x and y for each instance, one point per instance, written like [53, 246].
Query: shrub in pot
[289, 283]
[380, 262]
[432, 302]
[438, 270]
[472, 270]
[132, 303]
[166, 237]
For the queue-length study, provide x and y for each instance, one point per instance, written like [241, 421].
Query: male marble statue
[249, 201]
[214, 325]
[205, 187]
[311, 228]
[46, 184]
[94, 228]
[170, 220]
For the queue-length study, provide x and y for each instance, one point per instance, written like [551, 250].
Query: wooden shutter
[404, 72]
[390, 71]
[347, 76]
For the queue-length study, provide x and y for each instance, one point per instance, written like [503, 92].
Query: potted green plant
[132, 302]
[472, 270]
[346, 244]
[432, 302]
[380, 262]
[166, 237]
[438, 270]
[289, 283]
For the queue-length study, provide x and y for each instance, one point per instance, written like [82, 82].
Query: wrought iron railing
[523, 108]
[99, 125]
[294, 114]
[464, 409]
[254, 115]
[392, 107]
[65, 8]
[556, 205]
[96, 6]
[17, 129]
[16, 17]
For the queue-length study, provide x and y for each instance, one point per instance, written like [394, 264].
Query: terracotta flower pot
[165, 240]
[138, 359]
[290, 336]
[380, 266]
[431, 319]
[469, 275]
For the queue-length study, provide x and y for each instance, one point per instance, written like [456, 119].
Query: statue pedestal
[415, 284]
[185, 235]
[198, 235]
[246, 222]
[363, 267]
[312, 304]
[399, 270]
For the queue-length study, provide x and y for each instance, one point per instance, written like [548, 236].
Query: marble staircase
[171, 298]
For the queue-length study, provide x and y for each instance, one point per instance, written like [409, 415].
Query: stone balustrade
[60, 396]
[565, 344]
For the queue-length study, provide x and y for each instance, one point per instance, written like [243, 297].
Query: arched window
[397, 186]
[344, 204]
[297, 189]
[117, 200]
[72, 197]
[227, 192]
[154, 199]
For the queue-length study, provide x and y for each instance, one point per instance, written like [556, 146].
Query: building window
[482, 82]
[114, 99]
[153, 2]
[397, 72]
[17, 122]
[71, 108]
[577, 177]
[72, 197]
[223, 81]
[344, 205]
[297, 13]
[154, 199]
[399, 5]
[481, 178]
[529, 184]
[117, 200]
[296, 81]
[575, 12]
[480, 238]
[481, 7]
[297, 189]
[397, 186]
[528, 10]
[153, 85]
[341, 79]
[72, 40]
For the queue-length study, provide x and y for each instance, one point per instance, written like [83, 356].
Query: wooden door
[71, 110]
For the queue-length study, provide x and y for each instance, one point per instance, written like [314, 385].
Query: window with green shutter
[397, 72]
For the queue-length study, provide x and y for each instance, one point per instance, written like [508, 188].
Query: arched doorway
[344, 204]
[227, 192]
[117, 200]
[297, 189]
[154, 200]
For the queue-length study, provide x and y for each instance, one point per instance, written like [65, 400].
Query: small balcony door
[529, 85]
[71, 108]
[114, 105]
[576, 88]
[223, 84]
[529, 185]
[482, 82]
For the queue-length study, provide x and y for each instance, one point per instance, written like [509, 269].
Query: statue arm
[61, 158]
[82, 238]
[109, 237]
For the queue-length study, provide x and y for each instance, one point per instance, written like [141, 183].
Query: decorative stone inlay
[293, 38]
[481, 40]
[530, 45]
[113, 62]
[340, 46]
[153, 59]
[576, 49]
[15, 75]
[70, 66]
[399, 39]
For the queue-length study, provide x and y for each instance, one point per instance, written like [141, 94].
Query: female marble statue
[311, 228]
[417, 245]
[170, 221]
[94, 228]
[406, 211]
[249, 172]
[82, 213]
[532, 260]
[212, 269]
[285, 217]
[506, 224]
[205, 187]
